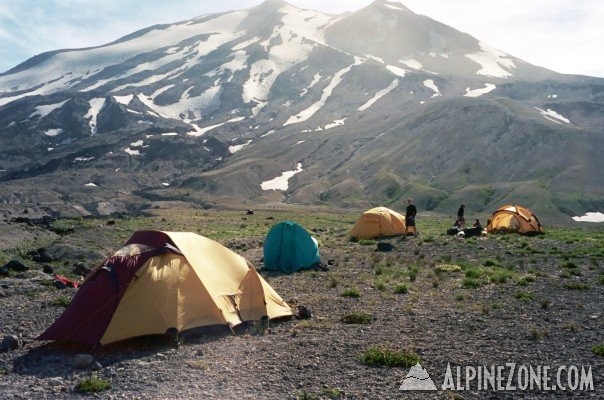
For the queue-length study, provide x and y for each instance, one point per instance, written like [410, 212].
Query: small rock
[82, 361]
[385, 246]
[16, 265]
[81, 269]
[40, 255]
[9, 342]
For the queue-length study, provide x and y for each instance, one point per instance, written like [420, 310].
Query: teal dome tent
[288, 247]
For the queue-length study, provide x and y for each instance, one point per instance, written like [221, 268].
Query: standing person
[410, 214]
[460, 218]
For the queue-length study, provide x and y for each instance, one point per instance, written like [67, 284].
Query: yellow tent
[379, 221]
[513, 218]
[166, 281]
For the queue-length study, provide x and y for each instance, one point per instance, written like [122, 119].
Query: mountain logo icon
[417, 379]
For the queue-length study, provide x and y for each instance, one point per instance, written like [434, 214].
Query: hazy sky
[562, 35]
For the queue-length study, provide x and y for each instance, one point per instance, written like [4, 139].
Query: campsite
[434, 299]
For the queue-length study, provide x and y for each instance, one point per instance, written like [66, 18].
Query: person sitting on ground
[455, 229]
[474, 230]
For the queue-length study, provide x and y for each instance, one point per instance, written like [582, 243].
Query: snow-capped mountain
[279, 103]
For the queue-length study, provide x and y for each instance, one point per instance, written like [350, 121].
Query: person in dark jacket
[460, 217]
[410, 214]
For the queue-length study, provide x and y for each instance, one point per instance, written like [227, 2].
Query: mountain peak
[272, 4]
[393, 5]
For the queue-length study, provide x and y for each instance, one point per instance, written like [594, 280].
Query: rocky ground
[481, 301]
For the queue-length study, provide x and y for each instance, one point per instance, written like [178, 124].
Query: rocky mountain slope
[275, 103]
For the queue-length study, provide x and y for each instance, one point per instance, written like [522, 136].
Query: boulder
[9, 342]
[82, 361]
[16, 265]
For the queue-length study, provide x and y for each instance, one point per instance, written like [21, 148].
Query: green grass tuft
[360, 318]
[471, 283]
[377, 356]
[577, 286]
[401, 288]
[351, 292]
[61, 301]
[598, 350]
[93, 385]
[524, 295]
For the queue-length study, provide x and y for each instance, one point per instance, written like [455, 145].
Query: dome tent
[377, 222]
[513, 218]
[162, 282]
[288, 247]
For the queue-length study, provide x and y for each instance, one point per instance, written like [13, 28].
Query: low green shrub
[577, 286]
[93, 385]
[471, 283]
[524, 295]
[377, 356]
[60, 301]
[360, 318]
[351, 292]
[401, 288]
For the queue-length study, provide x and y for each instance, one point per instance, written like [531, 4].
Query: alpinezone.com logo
[505, 377]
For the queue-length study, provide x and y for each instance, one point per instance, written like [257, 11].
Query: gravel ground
[553, 317]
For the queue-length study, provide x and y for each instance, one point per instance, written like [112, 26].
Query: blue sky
[566, 36]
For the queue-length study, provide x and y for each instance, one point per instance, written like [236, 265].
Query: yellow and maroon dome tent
[162, 282]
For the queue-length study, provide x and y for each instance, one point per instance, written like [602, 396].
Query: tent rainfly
[513, 218]
[162, 283]
[378, 222]
[288, 247]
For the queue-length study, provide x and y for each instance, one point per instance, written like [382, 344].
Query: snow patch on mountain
[337, 122]
[132, 152]
[379, 95]
[96, 105]
[44, 110]
[553, 116]
[393, 7]
[281, 182]
[310, 111]
[186, 107]
[201, 131]
[125, 100]
[238, 62]
[315, 80]
[53, 132]
[493, 62]
[590, 217]
[236, 148]
[429, 83]
[480, 91]
[396, 70]
[412, 63]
